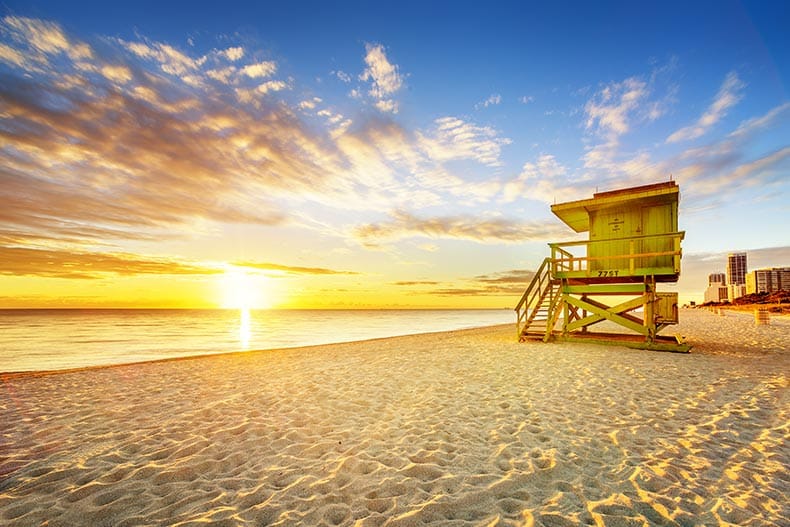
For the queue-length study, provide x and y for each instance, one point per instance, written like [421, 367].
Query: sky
[373, 155]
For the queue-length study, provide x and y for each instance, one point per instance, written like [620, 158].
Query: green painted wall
[635, 218]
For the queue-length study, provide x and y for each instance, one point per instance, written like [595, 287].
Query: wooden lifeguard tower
[634, 244]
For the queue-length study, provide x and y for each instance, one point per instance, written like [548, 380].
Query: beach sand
[460, 428]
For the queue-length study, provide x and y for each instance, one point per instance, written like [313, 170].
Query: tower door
[657, 220]
[610, 229]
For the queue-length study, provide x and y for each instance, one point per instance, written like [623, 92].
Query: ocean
[57, 339]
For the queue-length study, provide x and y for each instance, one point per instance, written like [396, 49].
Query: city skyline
[313, 155]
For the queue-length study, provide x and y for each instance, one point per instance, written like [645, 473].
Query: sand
[460, 428]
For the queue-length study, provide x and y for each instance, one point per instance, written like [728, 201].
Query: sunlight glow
[244, 291]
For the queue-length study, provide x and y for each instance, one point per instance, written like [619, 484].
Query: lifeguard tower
[634, 244]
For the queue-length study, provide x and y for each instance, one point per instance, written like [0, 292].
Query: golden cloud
[21, 261]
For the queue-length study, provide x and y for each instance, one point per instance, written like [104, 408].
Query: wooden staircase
[538, 310]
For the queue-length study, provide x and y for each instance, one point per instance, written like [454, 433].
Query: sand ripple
[461, 428]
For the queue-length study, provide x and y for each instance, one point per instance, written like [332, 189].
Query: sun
[241, 290]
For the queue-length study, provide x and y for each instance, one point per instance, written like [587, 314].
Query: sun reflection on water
[245, 328]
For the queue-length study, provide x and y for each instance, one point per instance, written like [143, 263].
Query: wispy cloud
[384, 78]
[610, 114]
[505, 283]
[234, 53]
[259, 69]
[611, 111]
[290, 269]
[342, 75]
[405, 225]
[454, 138]
[121, 142]
[721, 168]
[38, 41]
[411, 283]
[544, 180]
[493, 100]
[728, 96]
[757, 124]
[703, 178]
[144, 140]
[170, 59]
[53, 263]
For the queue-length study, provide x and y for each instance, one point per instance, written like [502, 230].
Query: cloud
[748, 128]
[117, 73]
[342, 75]
[45, 37]
[403, 225]
[504, 283]
[234, 53]
[224, 75]
[33, 43]
[701, 180]
[492, 100]
[384, 166]
[545, 180]
[526, 99]
[12, 56]
[384, 78]
[310, 104]
[102, 147]
[260, 69]
[170, 60]
[728, 96]
[453, 138]
[723, 169]
[53, 263]
[609, 113]
[387, 106]
[270, 86]
[520, 277]
[290, 269]
[546, 167]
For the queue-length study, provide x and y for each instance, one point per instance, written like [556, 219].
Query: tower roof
[576, 214]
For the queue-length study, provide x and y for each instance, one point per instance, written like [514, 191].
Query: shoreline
[779, 318]
[466, 427]
[34, 373]
[68, 339]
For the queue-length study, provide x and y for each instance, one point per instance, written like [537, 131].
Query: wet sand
[460, 428]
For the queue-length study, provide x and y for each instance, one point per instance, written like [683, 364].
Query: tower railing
[527, 307]
[649, 255]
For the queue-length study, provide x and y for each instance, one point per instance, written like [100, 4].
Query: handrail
[552, 316]
[616, 256]
[565, 261]
[678, 234]
[537, 276]
[532, 295]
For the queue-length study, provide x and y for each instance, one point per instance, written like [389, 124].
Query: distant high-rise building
[716, 278]
[735, 291]
[717, 290]
[736, 275]
[768, 280]
[736, 269]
